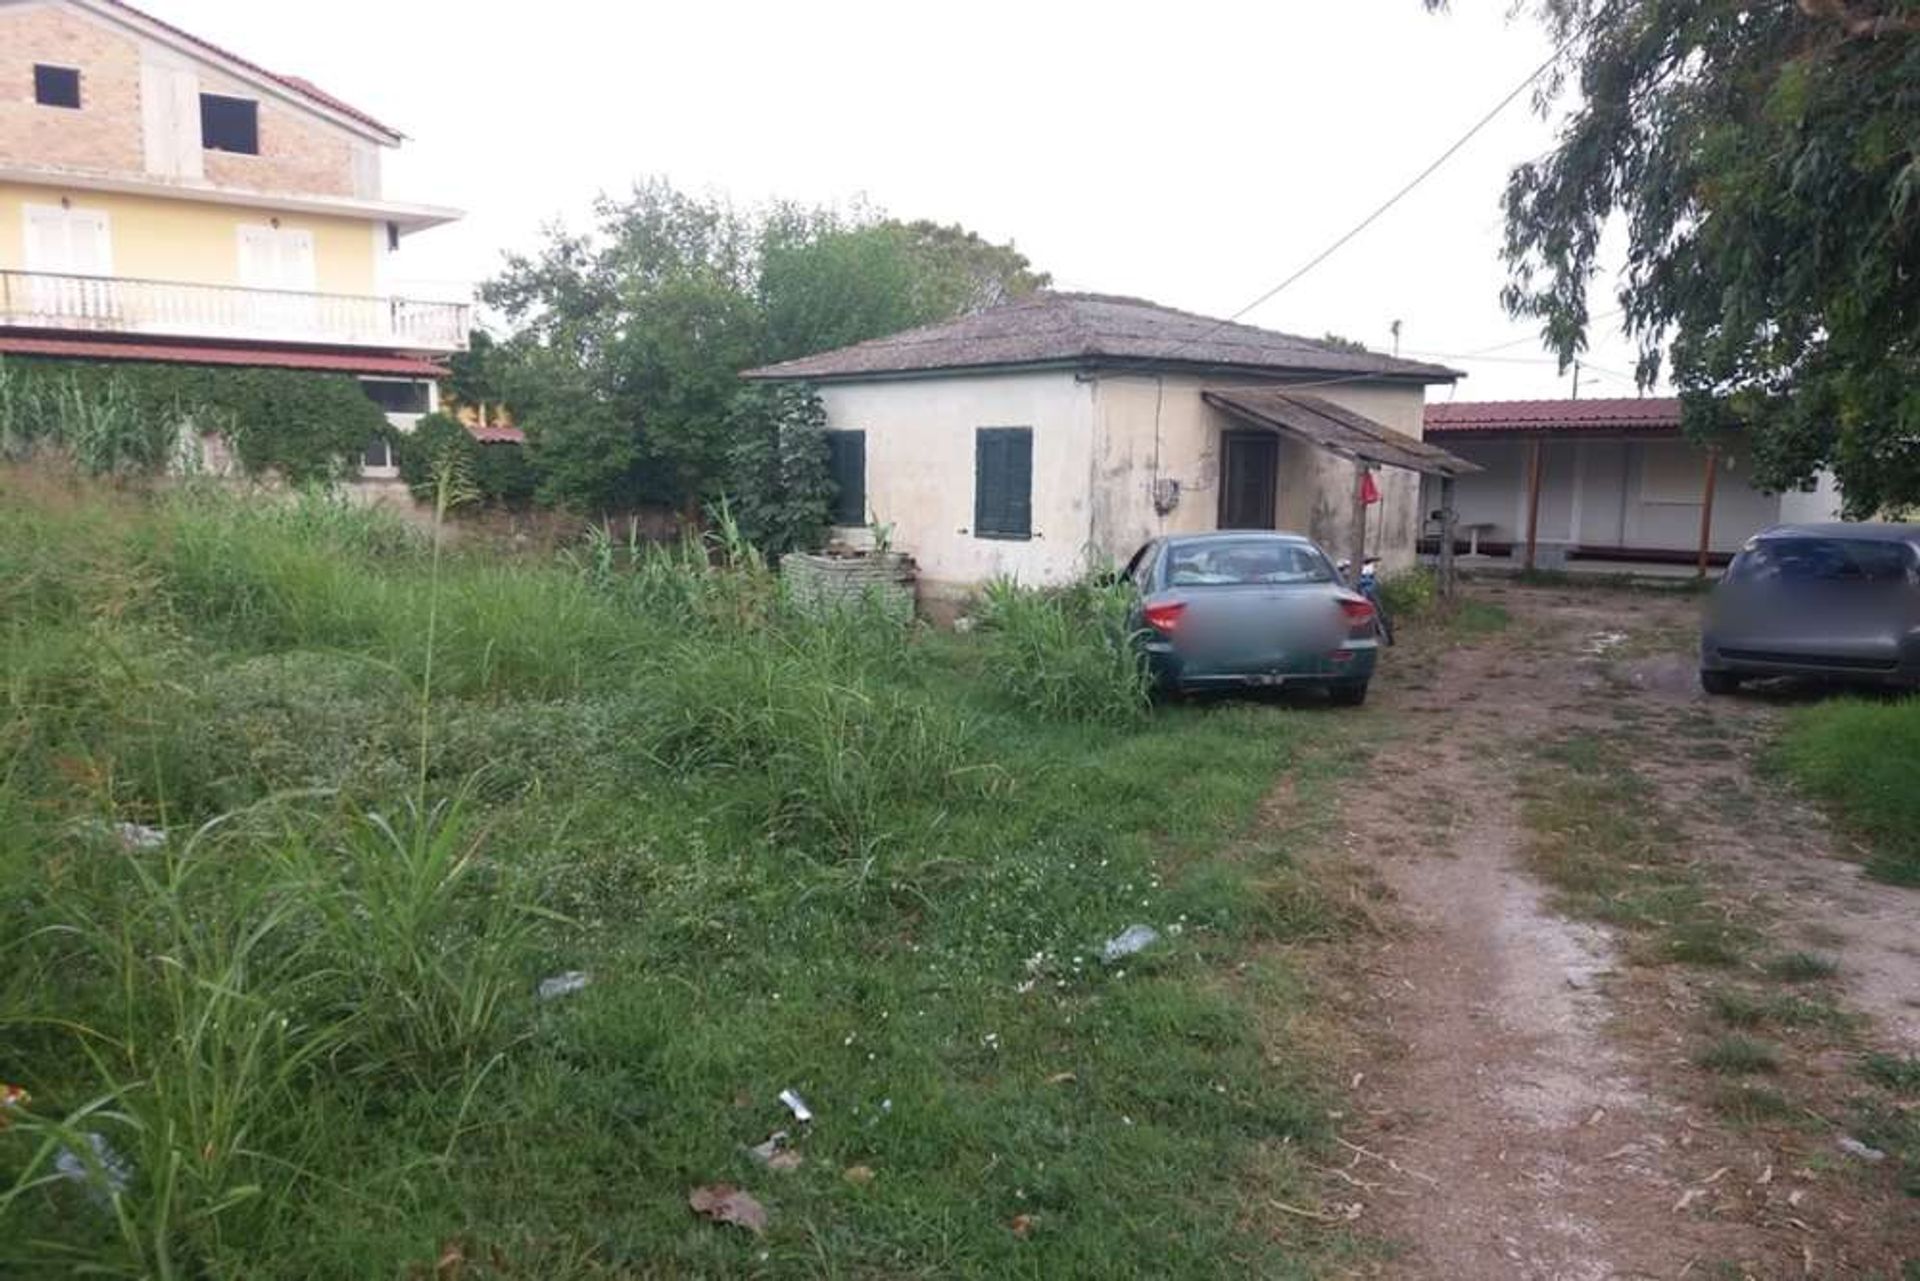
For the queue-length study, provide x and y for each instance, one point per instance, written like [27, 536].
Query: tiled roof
[1646, 413]
[495, 434]
[344, 362]
[1048, 328]
[305, 88]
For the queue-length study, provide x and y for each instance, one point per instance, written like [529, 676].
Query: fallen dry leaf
[785, 1161]
[1022, 1225]
[724, 1203]
[858, 1174]
[1062, 1078]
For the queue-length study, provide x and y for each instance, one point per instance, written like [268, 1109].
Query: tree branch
[1861, 26]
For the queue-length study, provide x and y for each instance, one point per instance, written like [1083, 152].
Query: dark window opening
[378, 453]
[1003, 482]
[396, 397]
[229, 124]
[56, 86]
[847, 464]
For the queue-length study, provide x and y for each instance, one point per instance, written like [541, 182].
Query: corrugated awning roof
[1556, 417]
[344, 362]
[1329, 426]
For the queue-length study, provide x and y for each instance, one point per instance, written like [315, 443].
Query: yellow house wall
[193, 241]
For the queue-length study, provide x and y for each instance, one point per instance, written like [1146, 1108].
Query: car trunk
[1233, 630]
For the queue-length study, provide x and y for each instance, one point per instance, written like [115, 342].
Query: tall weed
[1067, 653]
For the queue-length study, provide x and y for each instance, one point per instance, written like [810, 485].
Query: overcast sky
[1192, 153]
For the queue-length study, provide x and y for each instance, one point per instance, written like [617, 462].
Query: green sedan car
[1250, 609]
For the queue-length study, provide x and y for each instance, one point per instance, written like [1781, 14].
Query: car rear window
[1245, 562]
[1822, 560]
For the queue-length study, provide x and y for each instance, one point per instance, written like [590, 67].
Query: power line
[1395, 198]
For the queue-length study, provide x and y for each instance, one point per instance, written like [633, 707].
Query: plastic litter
[563, 985]
[1135, 938]
[775, 1154]
[138, 836]
[107, 1176]
[796, 1105]
[1854, 1147]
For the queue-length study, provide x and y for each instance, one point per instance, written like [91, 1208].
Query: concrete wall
[1315, 488]
[920, 441]
[139, 112]
[1611, 493]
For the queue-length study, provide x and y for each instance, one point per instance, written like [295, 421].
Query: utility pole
[1576, 380]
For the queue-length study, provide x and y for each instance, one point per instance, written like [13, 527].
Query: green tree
[778, 486]
[1764, 159]
[629, 340]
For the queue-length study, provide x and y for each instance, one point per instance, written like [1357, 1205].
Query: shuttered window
[1003, 482]
[847, 464]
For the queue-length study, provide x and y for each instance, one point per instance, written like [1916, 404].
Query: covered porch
[1348, 453]
[1611, 484]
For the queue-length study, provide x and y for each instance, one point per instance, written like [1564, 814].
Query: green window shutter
[1003, 482]
[847, 464]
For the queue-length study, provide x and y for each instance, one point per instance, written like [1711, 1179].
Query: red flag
[1369, 492]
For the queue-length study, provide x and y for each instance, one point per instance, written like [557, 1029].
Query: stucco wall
[920, 442]
[1315, 488]
[1611, 493]
[139, 113]
[155, 238]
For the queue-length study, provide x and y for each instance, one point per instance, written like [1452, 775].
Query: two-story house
[163, 199]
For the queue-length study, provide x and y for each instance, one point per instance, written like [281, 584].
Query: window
[847, 464]
[378, 455]
[1246, 562]
[395, 396]
[56, 86]
[1822, 560]
[1003, 482]
[229, 124]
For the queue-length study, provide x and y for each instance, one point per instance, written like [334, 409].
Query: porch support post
[1445, 568]
[1359, 514]
[1535, 450]
[1706, 507]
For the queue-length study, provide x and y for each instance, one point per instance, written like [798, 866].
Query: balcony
[174, 309]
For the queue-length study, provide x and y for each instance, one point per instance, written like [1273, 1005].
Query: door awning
[1328, 426]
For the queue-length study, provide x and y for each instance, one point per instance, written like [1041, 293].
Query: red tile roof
[305, 88]
[497, 435]
[345, 362]
[1529, 417]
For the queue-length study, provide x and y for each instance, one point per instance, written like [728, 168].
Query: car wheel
[1719, 682]
[1348, 693]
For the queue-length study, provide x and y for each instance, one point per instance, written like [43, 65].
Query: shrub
[1067, 653]
[305, 426]
[1409, 595]
[498, 471]
[777, 482]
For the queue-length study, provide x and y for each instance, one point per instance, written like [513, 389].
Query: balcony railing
[174, 309]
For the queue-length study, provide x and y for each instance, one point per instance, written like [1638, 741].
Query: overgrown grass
[1066, 653]
[837, 855]
[1857, 757]
[1412, 598]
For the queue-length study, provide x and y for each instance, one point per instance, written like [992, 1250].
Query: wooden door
[1249, 479]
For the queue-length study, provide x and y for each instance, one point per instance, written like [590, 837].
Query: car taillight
[1357, 611]
[1165, 617]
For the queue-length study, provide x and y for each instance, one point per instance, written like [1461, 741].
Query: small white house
[1062, 430]
[1606, 480]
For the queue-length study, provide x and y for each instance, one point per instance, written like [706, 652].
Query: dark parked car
[1232, 610]
[1840, 601]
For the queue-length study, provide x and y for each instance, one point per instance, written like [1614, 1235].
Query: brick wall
[105, 133]
[299, 153]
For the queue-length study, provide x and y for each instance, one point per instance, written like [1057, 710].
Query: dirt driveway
[1543, 1089]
